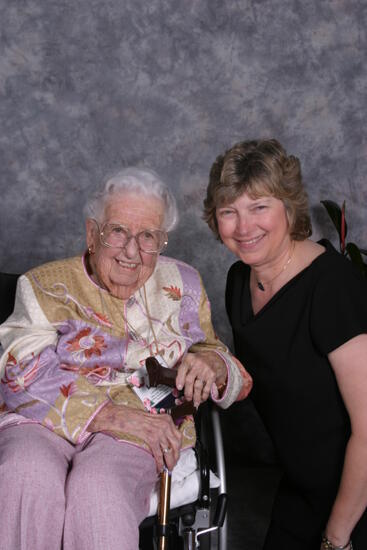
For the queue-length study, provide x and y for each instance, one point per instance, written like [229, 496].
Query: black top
[284, 347]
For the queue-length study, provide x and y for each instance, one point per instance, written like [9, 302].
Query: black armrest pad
[8, 284]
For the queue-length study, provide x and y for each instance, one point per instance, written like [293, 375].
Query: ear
[91, 234]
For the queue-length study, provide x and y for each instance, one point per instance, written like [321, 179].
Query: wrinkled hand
[157, 430]
[198, 372]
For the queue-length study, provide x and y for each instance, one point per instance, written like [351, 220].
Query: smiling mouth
[248, 242]
[127, 265]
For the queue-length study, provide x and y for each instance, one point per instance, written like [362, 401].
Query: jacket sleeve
[33, 383]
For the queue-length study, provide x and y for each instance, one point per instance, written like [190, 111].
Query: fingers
[164, 440]
[201, 390]
[158, 431]
[196, 376]
[170, 457]
[181, 374]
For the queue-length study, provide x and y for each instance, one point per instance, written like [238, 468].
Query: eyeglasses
[114, 235]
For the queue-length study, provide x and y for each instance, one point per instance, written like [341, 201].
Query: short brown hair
[258, 168]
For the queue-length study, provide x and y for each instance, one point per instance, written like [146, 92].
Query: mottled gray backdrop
[89, 86]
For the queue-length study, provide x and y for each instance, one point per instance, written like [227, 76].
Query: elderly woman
[298, 311]
[79, 453]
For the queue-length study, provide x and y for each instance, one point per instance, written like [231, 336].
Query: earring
[90, 251]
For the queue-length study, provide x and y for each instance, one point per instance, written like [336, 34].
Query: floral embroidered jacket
[69, 345]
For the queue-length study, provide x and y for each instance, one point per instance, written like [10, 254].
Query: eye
[225, 212]
[148, 235]
[117, 230]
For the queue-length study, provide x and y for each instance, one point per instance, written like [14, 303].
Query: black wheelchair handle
[220, 510]
[219, 517]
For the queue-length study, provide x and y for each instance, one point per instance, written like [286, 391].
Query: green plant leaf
[335, 215]
[356, 257]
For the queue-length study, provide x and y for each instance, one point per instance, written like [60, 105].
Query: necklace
[132, 333]
[260, 285]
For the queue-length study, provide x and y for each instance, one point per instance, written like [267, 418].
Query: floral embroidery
[101, 319]
[86, 343]
[61, 293]
[18, 383]
[173, 292]
[96, 373]
[68, 389]
[11, 360]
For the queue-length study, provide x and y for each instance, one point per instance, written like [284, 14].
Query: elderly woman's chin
[123, 280]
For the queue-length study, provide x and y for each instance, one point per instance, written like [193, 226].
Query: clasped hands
[195, 376]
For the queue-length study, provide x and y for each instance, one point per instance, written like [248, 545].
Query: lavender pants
[54, 495]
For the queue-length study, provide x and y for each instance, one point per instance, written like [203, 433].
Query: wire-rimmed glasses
[115, 235]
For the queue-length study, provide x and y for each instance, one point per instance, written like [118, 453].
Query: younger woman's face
[255, 230]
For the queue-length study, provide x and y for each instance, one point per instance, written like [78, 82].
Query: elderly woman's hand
[157, 430]
[197, 374]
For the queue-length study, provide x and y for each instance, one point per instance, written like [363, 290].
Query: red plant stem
[342, 230]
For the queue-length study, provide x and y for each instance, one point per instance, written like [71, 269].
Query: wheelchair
[192, 523]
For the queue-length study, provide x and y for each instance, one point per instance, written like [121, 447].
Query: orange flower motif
[98, 347]
[11, 360]
[173, 292]
[99, 317]
[69, 389]
[18, 383]
[87, 343]
[74, 343]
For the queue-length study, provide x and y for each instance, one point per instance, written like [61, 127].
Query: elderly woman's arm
[349, 362]
[33, 382]
[213, 373]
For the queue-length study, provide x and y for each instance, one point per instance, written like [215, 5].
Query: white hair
[136, 180]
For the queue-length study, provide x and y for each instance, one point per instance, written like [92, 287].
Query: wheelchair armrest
[208, 424]
[8, 283]
[209, 429]
[204, 472]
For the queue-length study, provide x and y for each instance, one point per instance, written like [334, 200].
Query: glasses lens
[115, 235]
[118, 236]
[151, 241]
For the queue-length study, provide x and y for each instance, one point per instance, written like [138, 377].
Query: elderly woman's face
[256, 230]
[123, 270]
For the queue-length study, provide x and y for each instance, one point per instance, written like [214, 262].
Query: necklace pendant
[260, 286]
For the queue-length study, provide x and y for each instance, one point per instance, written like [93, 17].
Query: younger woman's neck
[264, 272]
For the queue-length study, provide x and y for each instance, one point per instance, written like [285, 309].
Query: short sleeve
[237, 283]
[339, 306]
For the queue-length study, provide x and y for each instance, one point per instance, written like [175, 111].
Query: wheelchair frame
[191, 526]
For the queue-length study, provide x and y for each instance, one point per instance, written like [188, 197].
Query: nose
[243, 224]
[131, 248]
